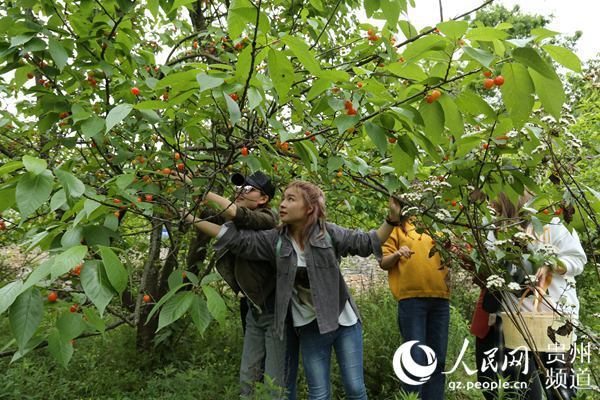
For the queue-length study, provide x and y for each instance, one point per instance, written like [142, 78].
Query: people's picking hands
[394, 210]
[404, 251]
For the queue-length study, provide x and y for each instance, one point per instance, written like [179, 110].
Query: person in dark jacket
[305, 251]
[263, 352]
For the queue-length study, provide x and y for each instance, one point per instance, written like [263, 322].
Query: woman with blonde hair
[306, 251]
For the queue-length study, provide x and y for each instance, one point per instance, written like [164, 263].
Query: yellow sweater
[420, 275]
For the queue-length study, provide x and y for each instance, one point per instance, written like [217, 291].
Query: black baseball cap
[258, 180]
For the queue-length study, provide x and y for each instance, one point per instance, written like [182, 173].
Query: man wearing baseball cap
[263, 353]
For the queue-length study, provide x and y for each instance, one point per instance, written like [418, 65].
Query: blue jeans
[316, 358]
[426, 320]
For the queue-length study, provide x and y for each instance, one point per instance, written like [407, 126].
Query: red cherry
[52, 297]
[546, 211]
[234, 96]
[351, 111]
[485, 146]
[487, 74]
[149, 197]
[559, 211]
[488, 84]
[392, 140]
[348, 105]
[117, 201]
[244, 151]
[146, 298]
[285, 146]
[429, 99]
[135, 91]
[435, 94]
[74, 308]
[499, 80]
[181, 166]
[359, 85]
[453, 203]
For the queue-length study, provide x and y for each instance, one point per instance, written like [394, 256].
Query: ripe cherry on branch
[499, 80]
[488, 84]
[234, 96]
[244, 151]
[52, 297]
[135, 91]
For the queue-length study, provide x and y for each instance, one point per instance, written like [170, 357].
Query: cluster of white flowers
[435, 183]
[574, 143]
[443, 215]
[542, 147]
[494, 281]
[470, 188]
[514, 286]
[410, 211]
[532, 279]
[502, 242]
[413, 197]
[548, 250]
[523, 237]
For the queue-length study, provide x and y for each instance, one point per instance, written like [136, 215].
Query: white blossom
[494, 281]
[514, 286]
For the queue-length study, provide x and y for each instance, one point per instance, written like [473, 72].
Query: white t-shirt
[304, 313]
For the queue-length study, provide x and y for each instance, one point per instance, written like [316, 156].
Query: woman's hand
[404, 251]
[543, 276]
[394, 210]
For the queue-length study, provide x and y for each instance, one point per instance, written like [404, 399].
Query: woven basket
[537, 323]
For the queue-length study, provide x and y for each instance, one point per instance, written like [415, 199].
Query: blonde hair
[314, 198]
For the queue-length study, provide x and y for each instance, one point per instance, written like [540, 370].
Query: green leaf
[58, 200]
[174, 309]
[254, 98]
[34, 165]
[70, 325]
[401, 160]
[215, 303]
[378, 136]
[151, 105]
[123, 181]
[427, 43]
[180, 3]
[200, 314]
[486, 34]
[308, 154]
[242, 68]
[61, 349]
[471, 103]
[529, 57]
[96, 285]
[453, 29]
[371, 6]
[452, 116]
[517, 93]
[343, 122]
[19, 40]
[483, 57]
[234, 110]
[10, 167]
[33, 191]
[91, 127]
[317, 87]
[115, 270]
[25, 314]
[163, 300]
[208, 82]
[550, 92]
[9, 293]
[181, 79]
[70, 182]
[39, 273]
[302, 52]
[281, 72]
[117, 115]
[433, 116]
[563, 56]
[67, 260]
[58, 53]
[7, 199]
[407, 71]
[391, 10]
[94, 320]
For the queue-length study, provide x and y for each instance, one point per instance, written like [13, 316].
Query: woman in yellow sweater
[418, 282]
